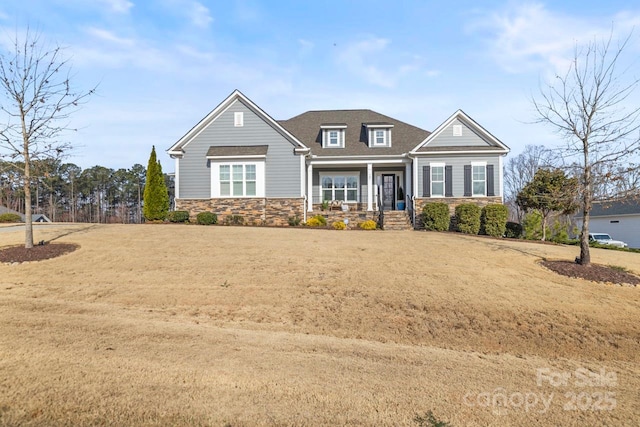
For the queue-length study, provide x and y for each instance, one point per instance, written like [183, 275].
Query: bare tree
[589, 108]
[38, 100]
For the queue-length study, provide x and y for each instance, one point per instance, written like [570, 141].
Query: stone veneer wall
[354, 217]
[452, 202]
[255, 211]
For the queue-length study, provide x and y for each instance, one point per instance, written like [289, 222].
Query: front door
[388, 191]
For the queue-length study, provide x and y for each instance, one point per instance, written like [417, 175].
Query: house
[238, 160]
[620, 219]
[40, 218]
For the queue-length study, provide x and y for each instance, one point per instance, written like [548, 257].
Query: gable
[465, 137]
[225, 111]
[460, 133]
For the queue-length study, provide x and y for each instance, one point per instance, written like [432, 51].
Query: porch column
[310, 188]
[369, 186]
[407, 180]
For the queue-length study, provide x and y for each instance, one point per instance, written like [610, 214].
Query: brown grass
[159, 325]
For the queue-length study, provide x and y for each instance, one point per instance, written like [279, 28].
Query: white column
[415, 177]
[176, 180]
[369, 187]
[302, 176]
[310, 188]
[407, 180]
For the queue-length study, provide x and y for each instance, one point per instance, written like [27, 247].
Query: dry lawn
[191, 325]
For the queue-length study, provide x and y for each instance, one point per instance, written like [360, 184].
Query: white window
[238, 119]
[479, 179]
[379, 137]
[237, 179]
[343, 187]
[333, 138]
[437, 179]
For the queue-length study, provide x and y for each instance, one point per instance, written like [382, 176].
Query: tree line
[66, 192]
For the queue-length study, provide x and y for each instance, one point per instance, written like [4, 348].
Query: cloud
[370, 60]
[118, 6]
[530, 36]
[200, 16]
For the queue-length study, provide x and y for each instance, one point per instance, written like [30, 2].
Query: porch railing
[380, 209]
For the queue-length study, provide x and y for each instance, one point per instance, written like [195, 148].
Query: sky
[160, 66]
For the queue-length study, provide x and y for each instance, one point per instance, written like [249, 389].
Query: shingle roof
[306, 127]
[621, 207]
[237, 150]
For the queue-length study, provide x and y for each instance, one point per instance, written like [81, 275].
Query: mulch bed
[593, 272]
[36, 253]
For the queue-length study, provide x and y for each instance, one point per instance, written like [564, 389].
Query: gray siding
[468, 137]
[282, 168]
[458, 170]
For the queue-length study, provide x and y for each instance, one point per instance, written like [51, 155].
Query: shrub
[313, 222]
[178, 216]
[435, 216]
[233, 220]
[368, 225]
[321, 220]
[494, 220]
[294, 221]
[513, 230]
[560, 232]
[10, 217]
[468, 218]
[206, 218]
[532, 226]
[339, 225]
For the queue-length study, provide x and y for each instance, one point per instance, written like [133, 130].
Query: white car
[605, 239]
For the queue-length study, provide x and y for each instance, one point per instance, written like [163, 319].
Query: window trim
[345, 175]
[216, 182]
[326, 137]
[373, 139]
[473, 181]
[431, 180]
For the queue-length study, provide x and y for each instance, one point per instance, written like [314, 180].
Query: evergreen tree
[156, 195]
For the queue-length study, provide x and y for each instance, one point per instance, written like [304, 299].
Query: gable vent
[457, 130]
[238, 119]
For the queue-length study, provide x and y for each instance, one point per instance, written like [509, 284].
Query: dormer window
[333, 135]
[379, 134]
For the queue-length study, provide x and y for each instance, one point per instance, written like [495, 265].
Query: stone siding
[452, 202]
[354, 217]
[254, 211]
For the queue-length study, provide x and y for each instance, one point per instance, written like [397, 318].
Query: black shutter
[426, 181]
[467, 180]
[490, 181]
[448, 181]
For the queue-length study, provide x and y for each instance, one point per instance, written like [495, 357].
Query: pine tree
[156, 195]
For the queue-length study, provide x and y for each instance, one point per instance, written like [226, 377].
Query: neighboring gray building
[240, 161]
[4, 210]
[620, 219]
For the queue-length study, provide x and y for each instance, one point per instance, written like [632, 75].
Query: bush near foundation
[206, 218]
[368, 225]
[468, 218]
[494, 220]
[339, 225]
[435, 216]
[316, 221]
[178, 216]
[513, 230]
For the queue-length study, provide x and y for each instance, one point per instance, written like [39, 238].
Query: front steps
[396, 220]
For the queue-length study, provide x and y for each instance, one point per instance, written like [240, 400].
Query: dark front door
[388, 191]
